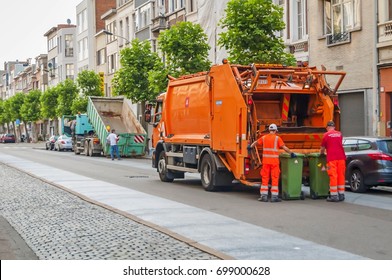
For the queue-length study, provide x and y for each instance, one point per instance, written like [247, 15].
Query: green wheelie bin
[291, 176]
[318, 176]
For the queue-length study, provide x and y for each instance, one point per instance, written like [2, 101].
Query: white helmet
[273, 127]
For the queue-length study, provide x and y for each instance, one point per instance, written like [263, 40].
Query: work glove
[249, 148]
[293, 155]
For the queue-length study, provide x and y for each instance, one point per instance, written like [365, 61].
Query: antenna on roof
[68, 21]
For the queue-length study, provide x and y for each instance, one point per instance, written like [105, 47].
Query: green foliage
[131, 80]
[251, 32]
[6, 114]
[16, 102]
[185, 49]
[49, 103]
[31, 108]
[89, 83]
[67, 92]
[157, 78]
[79, 105]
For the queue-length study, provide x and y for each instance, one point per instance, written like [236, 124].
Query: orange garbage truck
[205, 122]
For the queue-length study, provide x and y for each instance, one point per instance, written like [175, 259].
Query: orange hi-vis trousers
[265, 172]
[336, 170]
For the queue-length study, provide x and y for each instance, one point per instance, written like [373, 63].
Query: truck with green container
[107, 113]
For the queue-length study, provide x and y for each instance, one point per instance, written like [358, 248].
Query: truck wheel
[162, 169]
[207, 171]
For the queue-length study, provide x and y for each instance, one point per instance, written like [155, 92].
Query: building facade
[62, 60]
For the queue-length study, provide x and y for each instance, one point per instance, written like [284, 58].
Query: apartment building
[384, 63]
[341, 37]
[89, 23]
[11, 70]
[62, 61]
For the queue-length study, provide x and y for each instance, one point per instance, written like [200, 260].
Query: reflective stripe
[270, 156]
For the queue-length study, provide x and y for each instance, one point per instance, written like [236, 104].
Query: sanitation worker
[332, 142]
[271, 144]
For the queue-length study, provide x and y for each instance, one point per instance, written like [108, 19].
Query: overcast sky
[23, 24]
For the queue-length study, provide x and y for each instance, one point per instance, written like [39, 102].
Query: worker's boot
[275, 199]
[333, 198]
[341, 197]
[263, 198]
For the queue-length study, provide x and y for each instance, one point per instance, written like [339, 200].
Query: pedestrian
[332, 144]
[271, 144]
[113, 139]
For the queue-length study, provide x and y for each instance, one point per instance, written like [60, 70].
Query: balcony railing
[385, 32]
[338, 38]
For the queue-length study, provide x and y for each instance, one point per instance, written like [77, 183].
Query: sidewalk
[12, 246]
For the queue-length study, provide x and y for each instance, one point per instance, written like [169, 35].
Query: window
[69, 69]
[389, 9]
[101, 56]
[341, 16]
[82, 21]
[144, 17]
[300, 15]
[68, 45]
[112, 63]
[111, 27]
[83, 49]
[52, 43]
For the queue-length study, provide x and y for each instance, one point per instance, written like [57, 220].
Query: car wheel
[46, 146]
[162, 170]
[356, 181]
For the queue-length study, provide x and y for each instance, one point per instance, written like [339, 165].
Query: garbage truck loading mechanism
[205, 121]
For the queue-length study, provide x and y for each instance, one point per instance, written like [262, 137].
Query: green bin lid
[286, 155]
[315, 155]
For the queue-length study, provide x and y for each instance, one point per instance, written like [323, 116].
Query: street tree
[89, 84]
[31, 111]
[185, 49]
[6, 113]
[251, 33]
[131, 80]
[16, 102]
[67, 92]
[49, 102]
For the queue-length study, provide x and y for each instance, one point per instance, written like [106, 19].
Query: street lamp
[111, 34]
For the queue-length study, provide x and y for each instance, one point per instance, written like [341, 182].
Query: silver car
[63, 143]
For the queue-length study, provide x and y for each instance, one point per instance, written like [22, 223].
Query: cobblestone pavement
[57, 225]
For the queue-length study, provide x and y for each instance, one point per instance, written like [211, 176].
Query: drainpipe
[376, 76]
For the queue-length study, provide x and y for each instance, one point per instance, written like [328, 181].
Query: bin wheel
[302, 195]
[313, 195]
[284, 196]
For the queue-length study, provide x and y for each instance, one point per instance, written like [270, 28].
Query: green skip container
[291, 176]
[318, 176]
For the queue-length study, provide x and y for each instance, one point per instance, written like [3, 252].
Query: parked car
[369, 162]
[49, 145]
[8, 138]
[62, 143]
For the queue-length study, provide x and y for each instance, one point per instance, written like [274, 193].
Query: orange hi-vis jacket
[271, 144]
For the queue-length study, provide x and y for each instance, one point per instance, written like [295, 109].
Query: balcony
[338, 39]
[385, 32]
[158, 24]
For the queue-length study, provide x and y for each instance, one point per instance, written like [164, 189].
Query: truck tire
[207, 172]
[162, 169]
